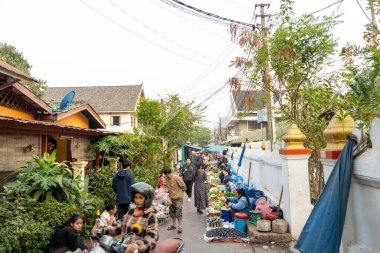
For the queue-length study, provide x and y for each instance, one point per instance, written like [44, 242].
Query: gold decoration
[294, 138]
[337, 131]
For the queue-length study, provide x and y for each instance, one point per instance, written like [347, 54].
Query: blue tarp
[241, 156]
[194, 147]
[216, 148]
[324, 227]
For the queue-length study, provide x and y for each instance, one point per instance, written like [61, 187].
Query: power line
[207, 71]
[201, 93]
[374, 25]
[204, 14]
[189, 21]
[156, 32]
[324, 8]
[139, 36]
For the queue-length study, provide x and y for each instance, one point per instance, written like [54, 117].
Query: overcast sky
[114, 42]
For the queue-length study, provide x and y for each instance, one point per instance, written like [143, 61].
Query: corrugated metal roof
[122, 98]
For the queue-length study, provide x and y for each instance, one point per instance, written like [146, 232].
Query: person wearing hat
[140, 225]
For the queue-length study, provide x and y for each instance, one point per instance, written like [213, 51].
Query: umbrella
[324, 227]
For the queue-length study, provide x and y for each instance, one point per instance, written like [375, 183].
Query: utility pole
[267, 78]
[220, 130]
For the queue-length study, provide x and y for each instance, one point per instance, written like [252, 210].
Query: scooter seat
[168, 245]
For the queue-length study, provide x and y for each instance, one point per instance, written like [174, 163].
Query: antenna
[66, 101]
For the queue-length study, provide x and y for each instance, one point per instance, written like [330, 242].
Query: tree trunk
[374, 21]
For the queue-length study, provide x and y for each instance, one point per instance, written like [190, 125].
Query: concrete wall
[266, 168]
[270, 172]
[125, 120]
[79, 149]
[12, 153]
[362, 226]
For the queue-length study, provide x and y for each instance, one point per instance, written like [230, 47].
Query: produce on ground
[229, 194]
[225, 232]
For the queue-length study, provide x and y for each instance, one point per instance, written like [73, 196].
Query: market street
[193, 229]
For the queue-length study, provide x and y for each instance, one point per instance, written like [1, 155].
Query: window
[253, 125]
[115, 120]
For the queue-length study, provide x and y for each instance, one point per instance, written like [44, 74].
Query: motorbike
[108, 244]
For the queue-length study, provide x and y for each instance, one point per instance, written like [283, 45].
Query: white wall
[125, 120]
[266, 168]
[270, 172]
[362, 226]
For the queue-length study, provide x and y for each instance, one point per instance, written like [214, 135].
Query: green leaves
[43, 179]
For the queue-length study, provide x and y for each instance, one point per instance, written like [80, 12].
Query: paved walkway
[193, 229]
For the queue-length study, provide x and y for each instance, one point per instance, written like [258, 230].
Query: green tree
[298, 51]
[201, 136]
[361, 73]
[149, 114]
[175, 121]
[12, 56]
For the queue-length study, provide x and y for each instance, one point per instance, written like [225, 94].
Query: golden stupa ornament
[294, 138]
[337, 131]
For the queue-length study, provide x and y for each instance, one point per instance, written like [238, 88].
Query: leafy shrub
[43, 179]
[100, 183]
[28, 226]
[147, 175]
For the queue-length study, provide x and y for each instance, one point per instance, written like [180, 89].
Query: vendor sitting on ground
[140, 223]
[227, 175]
[240, 203]
[221, 168]
[230, 186]
[68, 239]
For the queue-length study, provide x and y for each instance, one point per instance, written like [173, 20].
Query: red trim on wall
[297, 151]
[329, 154]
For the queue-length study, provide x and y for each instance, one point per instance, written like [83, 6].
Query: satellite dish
[66, 101]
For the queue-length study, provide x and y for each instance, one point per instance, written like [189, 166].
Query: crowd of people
[139, 223]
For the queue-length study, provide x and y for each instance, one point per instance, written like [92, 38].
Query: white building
[116, 105]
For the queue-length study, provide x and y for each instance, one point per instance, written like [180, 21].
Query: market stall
[221, 226]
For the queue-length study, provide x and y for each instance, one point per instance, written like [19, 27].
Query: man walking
[121, 182]
[176, 187]
[188, 174]
[196, 160]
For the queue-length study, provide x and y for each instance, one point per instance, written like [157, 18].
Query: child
[140, 225]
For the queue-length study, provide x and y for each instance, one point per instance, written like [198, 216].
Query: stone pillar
[78, 169]
[295, 174]
[336, 135]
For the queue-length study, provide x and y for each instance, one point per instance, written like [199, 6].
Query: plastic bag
[166, 200]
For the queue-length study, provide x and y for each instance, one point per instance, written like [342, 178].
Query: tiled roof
[241, 100]
[8, 69]
[122, 98]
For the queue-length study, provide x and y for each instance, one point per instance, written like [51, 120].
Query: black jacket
[188, 172]
[66, 237]
[196, 161]
[120, 185]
